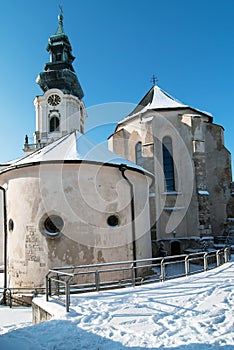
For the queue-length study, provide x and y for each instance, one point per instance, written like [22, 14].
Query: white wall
[84, 196]
[1, 229]
[70, 111]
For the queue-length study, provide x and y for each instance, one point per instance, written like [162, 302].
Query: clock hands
[54, 100]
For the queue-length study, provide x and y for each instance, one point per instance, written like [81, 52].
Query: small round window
[53, 225]
[113, 220]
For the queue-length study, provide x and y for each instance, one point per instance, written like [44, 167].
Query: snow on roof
[157, 98]
[9, 162]
[75, 147]
[162, 99]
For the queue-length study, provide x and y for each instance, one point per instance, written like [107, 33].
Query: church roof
[75, 147]
[158, 99]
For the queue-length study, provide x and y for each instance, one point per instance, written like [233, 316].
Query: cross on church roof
[154, 79]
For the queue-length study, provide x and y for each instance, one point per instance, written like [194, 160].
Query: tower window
[138, 150]
[54, 124]
[58, 57]
[168, 164]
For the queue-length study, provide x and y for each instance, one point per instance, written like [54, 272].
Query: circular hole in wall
[53, 225]
[11, 225]
[113, 220]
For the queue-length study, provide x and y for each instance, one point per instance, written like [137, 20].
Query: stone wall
[39, 314]
[198, 207]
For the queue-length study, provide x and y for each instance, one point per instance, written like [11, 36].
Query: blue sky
[119, 45]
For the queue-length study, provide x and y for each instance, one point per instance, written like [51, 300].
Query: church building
[191, 199]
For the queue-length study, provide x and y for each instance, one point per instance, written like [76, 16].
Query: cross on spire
[154, 79]
[60, 30]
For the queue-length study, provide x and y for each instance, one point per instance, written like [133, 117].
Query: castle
[166, 189]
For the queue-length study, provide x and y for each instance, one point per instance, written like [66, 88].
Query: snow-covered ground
[17, 317]
[190, 313]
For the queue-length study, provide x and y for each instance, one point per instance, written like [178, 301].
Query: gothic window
[138, 150]
[54, 124]
[168, 164]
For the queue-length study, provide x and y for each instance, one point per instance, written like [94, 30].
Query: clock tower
[60, 110]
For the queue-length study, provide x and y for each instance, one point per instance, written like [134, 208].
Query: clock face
[54, 100]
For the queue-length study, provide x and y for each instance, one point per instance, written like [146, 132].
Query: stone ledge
[43, 311]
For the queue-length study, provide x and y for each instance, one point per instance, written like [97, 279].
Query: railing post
[57, 285]
[133, 273]
[4, 302]
[186, 265]
[10, 296]
[226, 254]
[97, 280]
[67, 291]
[218, 258]
[47, 288]
[163, 271]
[50, 288]
[205, 262]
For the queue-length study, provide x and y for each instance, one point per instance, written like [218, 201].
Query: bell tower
[60, 109]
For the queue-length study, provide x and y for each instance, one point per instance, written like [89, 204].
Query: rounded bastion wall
[71, 214]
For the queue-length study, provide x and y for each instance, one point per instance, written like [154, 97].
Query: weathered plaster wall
[169, 211]
[202, 167]
[219, 177]
[84, 196]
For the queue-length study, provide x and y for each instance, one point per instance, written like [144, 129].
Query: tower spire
[60, 109]
[59, 72]
[60, 30]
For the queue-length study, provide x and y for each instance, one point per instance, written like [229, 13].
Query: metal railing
[61, 282]
[18, 295]
[34, 146]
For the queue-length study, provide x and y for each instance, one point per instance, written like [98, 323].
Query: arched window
[54, 124]
[58, 56]
[138, 150]
[168, 164]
